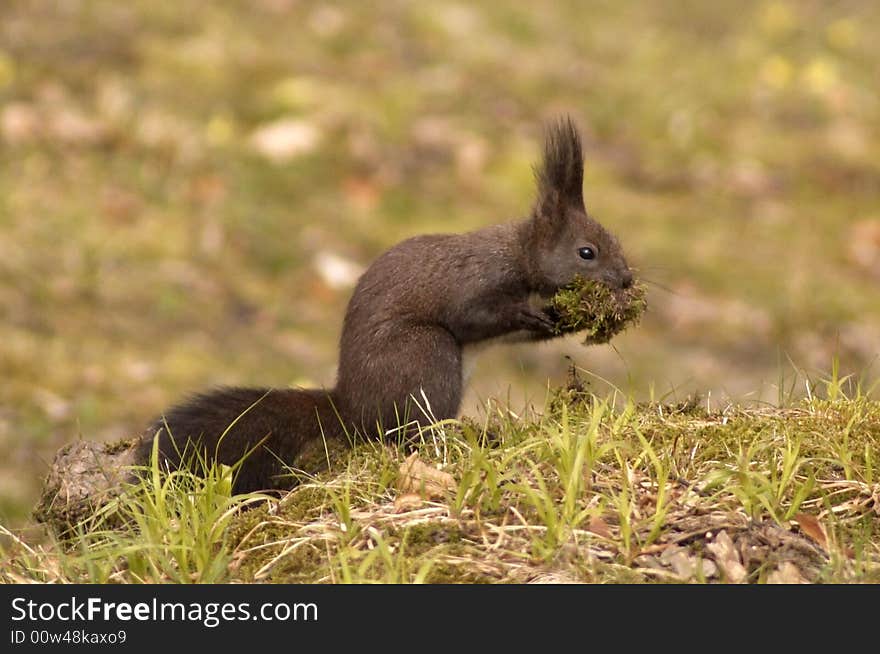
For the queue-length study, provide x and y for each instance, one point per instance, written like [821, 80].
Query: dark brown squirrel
[412, 314]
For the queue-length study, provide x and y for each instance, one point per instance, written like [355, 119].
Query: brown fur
[411, 314]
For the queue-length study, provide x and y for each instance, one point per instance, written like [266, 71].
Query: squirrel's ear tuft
[561, 173]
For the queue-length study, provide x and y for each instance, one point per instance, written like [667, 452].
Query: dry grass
[633, 519]
[583, 492]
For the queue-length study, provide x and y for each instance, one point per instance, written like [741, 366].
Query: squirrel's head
[562, 239]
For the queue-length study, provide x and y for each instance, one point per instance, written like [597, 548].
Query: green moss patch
[596, 309]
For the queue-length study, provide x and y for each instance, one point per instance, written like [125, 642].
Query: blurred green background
[188, 190]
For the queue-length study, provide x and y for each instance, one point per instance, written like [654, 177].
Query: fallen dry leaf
[679, 560]
[336, 271]
[686, 565]
[419, 478]
[864, 245]
[811, 526]
[786, 573]
[408, 502]
[599, 527]
[362, 193]
[68, 125]
[19, 123]
[285, 139]
[727, 558]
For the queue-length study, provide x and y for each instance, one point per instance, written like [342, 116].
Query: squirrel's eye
[587, 253]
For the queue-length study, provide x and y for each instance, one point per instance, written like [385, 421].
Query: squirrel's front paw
[537, 320]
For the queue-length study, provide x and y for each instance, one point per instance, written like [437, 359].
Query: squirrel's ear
[560, 176]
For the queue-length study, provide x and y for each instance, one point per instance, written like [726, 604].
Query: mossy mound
[597, 309]
[84, 476]
[588, 491]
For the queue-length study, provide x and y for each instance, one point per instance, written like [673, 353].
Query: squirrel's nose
[626, 279]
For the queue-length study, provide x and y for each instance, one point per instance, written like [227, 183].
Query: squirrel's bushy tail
[223, 425]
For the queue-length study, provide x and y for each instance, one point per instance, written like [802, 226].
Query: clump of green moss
[597, 309]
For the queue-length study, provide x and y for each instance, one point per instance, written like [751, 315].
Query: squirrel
[412, 314]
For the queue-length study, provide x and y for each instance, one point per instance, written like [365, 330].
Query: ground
[585, 491]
